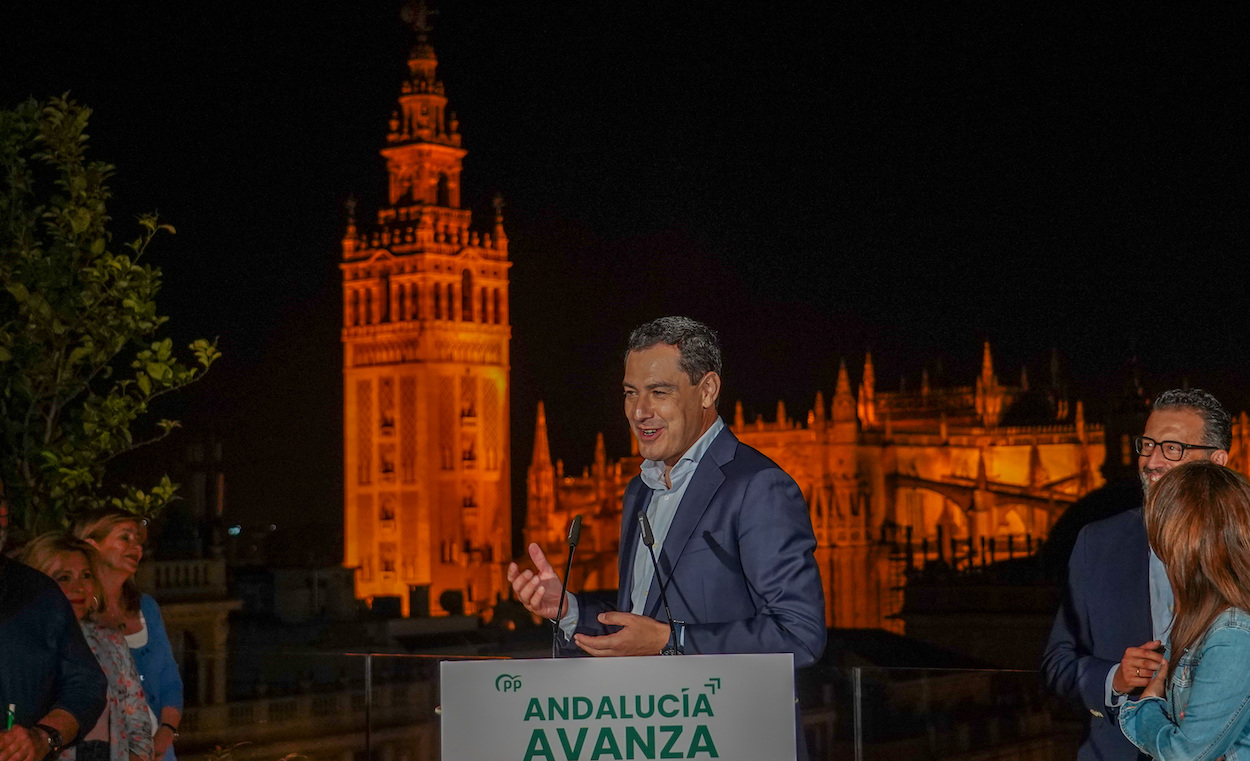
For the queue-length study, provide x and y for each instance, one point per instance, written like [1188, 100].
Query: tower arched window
[368, 306]
[384, 299]
[438, 302]
[484, 315]
[443, 194]
[451, 301]
[498, 318]
[414, 302]
[355, 308]
[401, 303]
[466, 296]
[411, 193]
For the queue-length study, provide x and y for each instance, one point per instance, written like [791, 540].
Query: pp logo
[507, 683]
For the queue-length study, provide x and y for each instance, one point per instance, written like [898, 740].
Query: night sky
[813, 184]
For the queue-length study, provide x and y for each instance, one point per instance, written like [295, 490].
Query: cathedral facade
[892, 479]
[427, 510]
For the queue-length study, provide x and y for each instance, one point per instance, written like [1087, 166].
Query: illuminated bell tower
[427, 513]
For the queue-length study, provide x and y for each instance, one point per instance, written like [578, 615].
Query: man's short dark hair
[1217, 424]
[698, 344]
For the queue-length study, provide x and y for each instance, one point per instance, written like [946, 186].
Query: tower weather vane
[417, 14]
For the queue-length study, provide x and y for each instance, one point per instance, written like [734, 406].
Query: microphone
[575, 535]
[649, 539]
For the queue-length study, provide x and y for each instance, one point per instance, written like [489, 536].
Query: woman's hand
[162, 741]
[1157, 687]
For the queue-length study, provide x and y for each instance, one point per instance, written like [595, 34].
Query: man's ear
[1220, 457]
[709, 389]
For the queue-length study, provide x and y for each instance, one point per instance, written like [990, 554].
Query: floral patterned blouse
[129, 723]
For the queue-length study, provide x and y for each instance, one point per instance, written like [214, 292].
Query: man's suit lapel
[1138, 583]
[706, 479]
[630, 534]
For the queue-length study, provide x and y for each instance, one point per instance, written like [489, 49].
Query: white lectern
[727, 707]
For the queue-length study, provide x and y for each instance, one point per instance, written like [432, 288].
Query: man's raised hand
[538, 590]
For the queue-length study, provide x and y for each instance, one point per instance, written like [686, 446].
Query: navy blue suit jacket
[1106, 609]
[738, 560]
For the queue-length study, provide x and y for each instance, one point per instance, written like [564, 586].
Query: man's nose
[1156, 460]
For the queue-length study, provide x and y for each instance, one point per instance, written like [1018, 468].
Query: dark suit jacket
[738, 560]
[45, 662]
[1106, 609]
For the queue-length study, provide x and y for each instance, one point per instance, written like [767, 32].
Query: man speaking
[732, 534]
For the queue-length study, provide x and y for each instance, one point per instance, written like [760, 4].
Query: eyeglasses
[1172, 450]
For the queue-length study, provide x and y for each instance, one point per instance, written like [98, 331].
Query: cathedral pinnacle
[601, 456]
[987, 366]
[867, 408]
[843, 400]
[990, 399]
[542, 450]
[843, 387]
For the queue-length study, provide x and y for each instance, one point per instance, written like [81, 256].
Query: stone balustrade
[183, 579]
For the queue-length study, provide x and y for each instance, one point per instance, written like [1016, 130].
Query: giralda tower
[427, 513]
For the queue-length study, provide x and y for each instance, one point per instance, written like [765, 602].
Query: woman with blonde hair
[118, 537]
[124, 731]
[1198, 521]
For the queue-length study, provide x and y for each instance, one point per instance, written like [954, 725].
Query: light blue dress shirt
[1160, 619]
[663, 506]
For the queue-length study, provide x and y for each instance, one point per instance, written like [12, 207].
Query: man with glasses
[1111, 630]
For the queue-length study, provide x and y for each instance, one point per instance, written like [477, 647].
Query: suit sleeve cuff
[1114, 700]
[568, 624]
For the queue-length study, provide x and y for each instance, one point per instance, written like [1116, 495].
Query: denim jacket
[1206, 714]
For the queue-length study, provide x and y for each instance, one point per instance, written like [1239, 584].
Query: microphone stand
[649, 539]
[575, 534]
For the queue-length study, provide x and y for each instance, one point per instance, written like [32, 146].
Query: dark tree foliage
[80, 355]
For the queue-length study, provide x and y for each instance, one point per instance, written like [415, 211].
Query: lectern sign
[729, 707]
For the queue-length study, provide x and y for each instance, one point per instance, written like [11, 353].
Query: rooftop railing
[361, 706]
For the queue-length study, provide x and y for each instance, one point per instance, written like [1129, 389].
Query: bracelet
[171, 728]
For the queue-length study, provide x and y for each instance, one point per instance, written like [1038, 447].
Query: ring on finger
[1138, 672]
